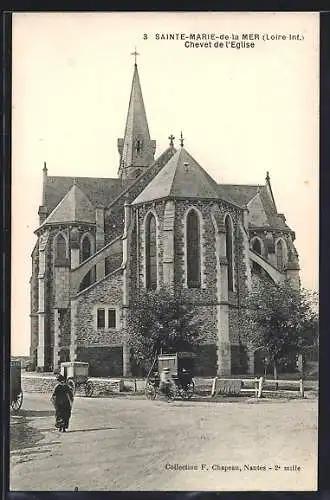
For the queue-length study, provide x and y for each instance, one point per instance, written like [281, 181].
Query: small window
[111, 318]
[106, 318]
[100, 318]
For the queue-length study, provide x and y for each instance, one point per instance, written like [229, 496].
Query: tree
[161, 321]
[280, 320]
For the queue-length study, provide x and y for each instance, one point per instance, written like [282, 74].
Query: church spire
[136, 149]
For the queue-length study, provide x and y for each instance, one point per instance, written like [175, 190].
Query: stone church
[162, 221]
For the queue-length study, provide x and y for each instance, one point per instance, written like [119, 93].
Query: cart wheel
[150, 391]
[72, 385]
[17, 403]
[89, 388]
[172, 394]
[189, 391]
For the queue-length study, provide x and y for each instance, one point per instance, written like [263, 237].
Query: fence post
[214, 384]
[261, 381]
[135, 387]
[256, 386]
[301, 387]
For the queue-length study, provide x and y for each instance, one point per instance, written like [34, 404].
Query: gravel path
[135, 444]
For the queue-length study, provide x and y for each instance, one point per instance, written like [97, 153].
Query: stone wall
[61, 287]
[239, 359]
[65, 334]
[205, 364]
[206, 297]
[236, 332]
[104, 361]
[47, 383]
[107, 293]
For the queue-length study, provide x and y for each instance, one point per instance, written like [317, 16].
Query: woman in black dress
[62, 400]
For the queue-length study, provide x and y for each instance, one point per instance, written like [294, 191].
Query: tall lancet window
[229, 252]
[86, 248]
[86, 251]
[193, 250]
[256, 246]
[60, 249]
[151, 253]
[280, 254]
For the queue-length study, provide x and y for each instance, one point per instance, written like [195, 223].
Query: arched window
[280, 254]
[193, 250]
[151, 253]
[85, 253]
[229, 252]
[61, 248]
[86, 248]
[256, 246]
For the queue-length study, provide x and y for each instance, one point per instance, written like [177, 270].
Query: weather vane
[181, 140]
[135, 54]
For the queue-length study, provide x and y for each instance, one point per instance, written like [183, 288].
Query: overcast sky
[242, 112]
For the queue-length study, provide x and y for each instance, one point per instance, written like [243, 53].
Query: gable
[257, 215]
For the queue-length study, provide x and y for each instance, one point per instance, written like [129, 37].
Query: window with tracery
[61, 252]
[229, 252]
[280, 254]
[151, 253]
[193, 250]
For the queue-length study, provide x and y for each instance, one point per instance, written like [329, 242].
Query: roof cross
[181, 140]
[171, 138]
[135, 54]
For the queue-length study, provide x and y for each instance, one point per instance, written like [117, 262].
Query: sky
[243, 111]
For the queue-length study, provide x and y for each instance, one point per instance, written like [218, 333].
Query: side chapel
[161, 221]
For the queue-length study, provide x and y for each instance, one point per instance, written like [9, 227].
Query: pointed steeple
[136, 149]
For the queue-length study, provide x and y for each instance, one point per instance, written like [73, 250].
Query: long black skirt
[62, 416]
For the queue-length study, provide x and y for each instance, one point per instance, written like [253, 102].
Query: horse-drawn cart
[16, 393]
[181, 367]
[76, 375]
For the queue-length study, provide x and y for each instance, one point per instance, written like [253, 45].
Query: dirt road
[135, 444]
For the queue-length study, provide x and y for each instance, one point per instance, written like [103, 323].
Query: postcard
[164, 251]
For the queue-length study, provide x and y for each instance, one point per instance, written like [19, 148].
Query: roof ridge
[179, 151]
[141, 177]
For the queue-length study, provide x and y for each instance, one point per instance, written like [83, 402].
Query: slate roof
[181, 177]
[99, 191]
[74, 207]
[243, 193]
[160, 161]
